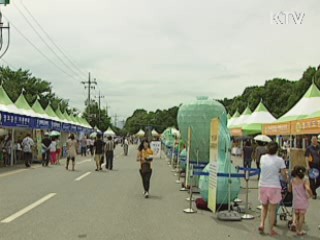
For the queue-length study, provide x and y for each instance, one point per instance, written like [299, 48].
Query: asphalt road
[49, 203]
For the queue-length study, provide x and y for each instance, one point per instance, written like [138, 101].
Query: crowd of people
[102, 150]
[301, 180]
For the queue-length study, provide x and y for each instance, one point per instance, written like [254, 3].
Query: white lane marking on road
[17, 171]
[84, 161]
[28, 208]
[82, 176]
[12, 173]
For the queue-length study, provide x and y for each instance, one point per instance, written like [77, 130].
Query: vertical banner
[156, 148]
[39, 144]
[213, 170]
[188, 156]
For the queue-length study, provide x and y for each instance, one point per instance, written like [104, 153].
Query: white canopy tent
[155, 133]
[304, 107]
[141, 133]
[240, 121]
[233, 118]
[109, 132]
[260, 116]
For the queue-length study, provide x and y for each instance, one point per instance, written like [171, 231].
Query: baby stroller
[286, 203]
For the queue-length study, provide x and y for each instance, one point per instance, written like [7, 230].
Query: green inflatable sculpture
[198, 116]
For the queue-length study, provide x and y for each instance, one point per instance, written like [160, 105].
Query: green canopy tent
[240, 121]
[235, 116]
[52, 114]
[305, 106]
[260, 116]
[24, 107]
[6, 105]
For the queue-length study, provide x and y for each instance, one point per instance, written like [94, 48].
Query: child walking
[301, 192]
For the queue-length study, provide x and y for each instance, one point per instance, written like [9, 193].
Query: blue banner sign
[79, 129]
[66, 127]
[14, 120]
[73, 129]
[42, 124]
[56, 126]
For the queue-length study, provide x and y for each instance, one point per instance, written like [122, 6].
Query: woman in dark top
[247, 155]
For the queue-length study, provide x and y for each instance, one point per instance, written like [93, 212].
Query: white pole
[11, 147]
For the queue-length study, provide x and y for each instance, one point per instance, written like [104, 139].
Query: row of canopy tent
[302, 119]
[142, 133]
[20, 114]
[250, 123]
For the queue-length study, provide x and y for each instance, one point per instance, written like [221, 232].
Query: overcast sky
[157, 54]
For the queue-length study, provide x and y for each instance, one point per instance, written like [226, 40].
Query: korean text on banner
[156, 148]
[213, 170]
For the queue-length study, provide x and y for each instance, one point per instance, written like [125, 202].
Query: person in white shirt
[269, 185]
[53, 151]
[125, 146]
[91, 147]
[27, 145]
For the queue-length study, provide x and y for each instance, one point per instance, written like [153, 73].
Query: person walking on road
[313, 163]
[71, 151]
[59, 150]
[145, 157]
[83, 144]
[300, 188]
[110, 146]
[125, 146]
[27, 146]
[53, 151]
[98, 147]
[8, 150]
[46, 150]
[92, 146]
[260, 150]
[270, 187]
[247, 155]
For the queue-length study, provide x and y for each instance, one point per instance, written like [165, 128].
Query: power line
[44, 41]
[38, 50]
[51, 40]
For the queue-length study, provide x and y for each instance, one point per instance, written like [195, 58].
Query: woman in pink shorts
[269, 186]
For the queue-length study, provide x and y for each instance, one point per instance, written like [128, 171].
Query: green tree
[92, 113]
[14, 82]
[159, 120]
[279, 95]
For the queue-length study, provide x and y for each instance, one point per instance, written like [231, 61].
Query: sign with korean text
[276, 129]
[307, 126]
[73, 128]
[156, 148]
[213, 169]
[14, 120]
[56, 126]
[66, 127]
[42, 124]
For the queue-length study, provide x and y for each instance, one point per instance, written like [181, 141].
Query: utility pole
[115, 117]
[99, 106]
[89, 85]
